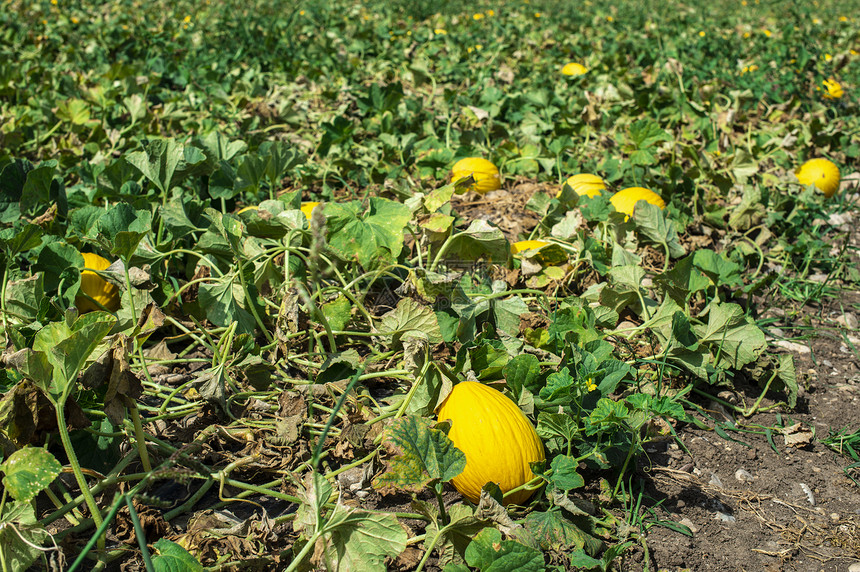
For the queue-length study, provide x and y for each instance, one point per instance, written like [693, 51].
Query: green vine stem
[76, 469]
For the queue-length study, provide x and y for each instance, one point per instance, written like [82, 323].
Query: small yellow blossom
[746, 34]
[538, 14]
[75, 20]
[186, 19]
[702, 34]
[610, 19]
[439, 31]
[301, 12]
[54, 2]
[479, 46]
[853, 52]
[491, 13]
[828, 57]
[834, 89]
[743, 2]
[590, 385]
[843, 18]
[767, 32]
[478, 16]
[816, 20]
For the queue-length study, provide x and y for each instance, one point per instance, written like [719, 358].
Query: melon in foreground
[586, 184]
[498, 440]
[95, 286]
[822, 173]
[485, 174]
[625, 201]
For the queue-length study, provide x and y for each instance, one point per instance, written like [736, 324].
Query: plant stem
[139, 436]
[79, 476]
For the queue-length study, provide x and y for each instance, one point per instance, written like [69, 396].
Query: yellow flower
[610, 19]
[301, 12]
[538, 14]
[479, 46]
[853, 52]
[834, 89]
[439, 32]
[54, 2]
[478, 16]
[743, 2]
[186, 19]
[767, 32]
[843, 19]
[816, 20]
[491, 13]
[827, 57]
[75, 20]
[574, 69]
[702, 34]
[590, 385]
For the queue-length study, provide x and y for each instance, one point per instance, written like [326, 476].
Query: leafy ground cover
[258, 385]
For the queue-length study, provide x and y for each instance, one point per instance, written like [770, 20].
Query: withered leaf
[112, 367]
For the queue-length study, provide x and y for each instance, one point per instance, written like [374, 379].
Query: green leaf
[480, 239]
[369, 237]
[225, 303]
[28, 472]
[732, 336]
[410, 316]
[651, 222]
[489, 553]
[564, 476]
[21, 240]
[554, 531]
[608, 412]
[41, 188]
[338, 312]
[123, 227]
[361, 541]
[173, 558]
[750, 211]
[68, 348]
[74, 111]
[454, 537]
[421, 455]
[20, 535]
[507, 312]
[718, 268]
[165, 162]
[55, 258]
[523, 371]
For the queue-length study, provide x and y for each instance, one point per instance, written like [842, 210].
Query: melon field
[443, 286]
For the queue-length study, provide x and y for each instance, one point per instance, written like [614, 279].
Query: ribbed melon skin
[498, 440]
[96, 286]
